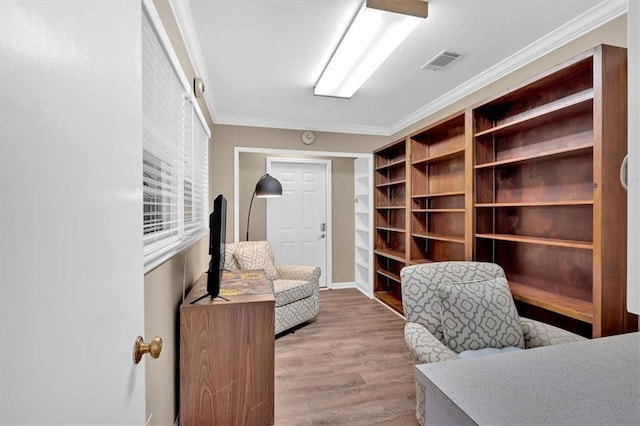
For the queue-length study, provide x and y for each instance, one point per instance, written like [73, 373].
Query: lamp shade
[268, 186]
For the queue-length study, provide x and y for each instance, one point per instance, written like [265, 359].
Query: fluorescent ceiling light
[373, 35]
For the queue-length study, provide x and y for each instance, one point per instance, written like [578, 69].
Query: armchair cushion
[537, 334]
[289, 291]
[487, 351]
[256, 255]
[479, 315]
[298, 272]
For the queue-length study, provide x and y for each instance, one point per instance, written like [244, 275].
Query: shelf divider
[583, 245]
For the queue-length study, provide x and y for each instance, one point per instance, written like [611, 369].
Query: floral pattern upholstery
[295, 287]
[423, 331]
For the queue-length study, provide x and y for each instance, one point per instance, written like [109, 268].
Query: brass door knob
[140, 348]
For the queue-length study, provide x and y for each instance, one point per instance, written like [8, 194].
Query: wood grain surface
[349, 367]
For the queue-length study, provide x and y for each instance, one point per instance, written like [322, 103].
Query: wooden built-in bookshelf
[440, 208]
[548, 208]
[390, 238]
[527, 179]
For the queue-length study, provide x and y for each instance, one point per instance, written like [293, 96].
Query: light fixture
[377, 30]
[267, 187]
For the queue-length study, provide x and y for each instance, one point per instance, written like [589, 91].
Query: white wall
[633, 206]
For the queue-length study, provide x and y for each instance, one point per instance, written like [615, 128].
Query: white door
[297, 223]
[71, 301]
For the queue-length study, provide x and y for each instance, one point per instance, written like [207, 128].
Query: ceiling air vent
[440, 61]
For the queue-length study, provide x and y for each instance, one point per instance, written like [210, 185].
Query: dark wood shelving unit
[527, 179]
[441, 220]
[390, 181]
[548, 208]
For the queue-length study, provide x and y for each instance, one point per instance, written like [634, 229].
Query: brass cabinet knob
[140, 348]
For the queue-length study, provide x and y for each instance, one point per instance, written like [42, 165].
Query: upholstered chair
[462, 309]
[295, 287]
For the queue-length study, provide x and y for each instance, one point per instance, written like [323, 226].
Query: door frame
[237, 150]
[327, 203]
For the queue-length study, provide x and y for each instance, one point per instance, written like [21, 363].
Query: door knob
[140, 348]
[322, 235]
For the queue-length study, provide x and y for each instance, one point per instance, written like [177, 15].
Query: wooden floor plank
[349, 367]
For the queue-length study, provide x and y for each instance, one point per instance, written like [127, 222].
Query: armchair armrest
[298, 272]
[424, 347]
[537, 334]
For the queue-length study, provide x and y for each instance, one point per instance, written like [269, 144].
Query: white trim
[328, 170]
[240, 120]
[184, 20]
[339, 286]
[275, 151]
[165, 42]
[153, 260]
[279, 151]
[200, 115]
[370, 296]
[588, 21]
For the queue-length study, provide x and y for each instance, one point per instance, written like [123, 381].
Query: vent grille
[440, 61]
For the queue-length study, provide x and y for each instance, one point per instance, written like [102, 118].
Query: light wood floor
[349, 367]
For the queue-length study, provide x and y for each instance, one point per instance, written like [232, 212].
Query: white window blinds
[175, 147]
[200, 171]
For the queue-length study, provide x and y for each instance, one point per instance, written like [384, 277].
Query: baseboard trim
[342, 285]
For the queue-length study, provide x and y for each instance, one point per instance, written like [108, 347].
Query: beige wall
[253, 165]
[225, 138]
[164, 288]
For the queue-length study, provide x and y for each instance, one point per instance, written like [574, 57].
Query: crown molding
[239, 120]
[187, 30]
[588, 21]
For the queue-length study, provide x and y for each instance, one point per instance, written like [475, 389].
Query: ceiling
[260, 59]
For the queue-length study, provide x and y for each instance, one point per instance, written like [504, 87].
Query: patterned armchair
[429, 292]
[295, 287]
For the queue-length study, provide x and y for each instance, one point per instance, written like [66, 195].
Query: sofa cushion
[256, 255]
[479, 315]
[289, 291]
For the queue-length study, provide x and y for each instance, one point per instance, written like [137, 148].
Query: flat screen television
[217, 241]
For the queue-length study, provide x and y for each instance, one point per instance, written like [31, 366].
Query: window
[175, 150]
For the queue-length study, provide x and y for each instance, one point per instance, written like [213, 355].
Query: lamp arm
[249, 215]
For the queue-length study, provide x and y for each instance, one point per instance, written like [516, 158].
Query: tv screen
[217, 241]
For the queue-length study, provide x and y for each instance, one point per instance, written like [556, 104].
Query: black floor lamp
[267, 187]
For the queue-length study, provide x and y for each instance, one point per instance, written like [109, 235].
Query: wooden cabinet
[441, 219]
[528, 179]
[549, 207]
[390, 197]
[227, 353]
[423, 202]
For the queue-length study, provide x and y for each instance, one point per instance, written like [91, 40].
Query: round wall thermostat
[308, 137]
